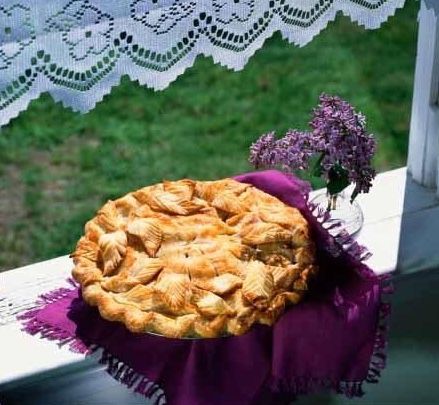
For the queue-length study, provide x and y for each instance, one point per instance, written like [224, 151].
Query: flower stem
[332, 202]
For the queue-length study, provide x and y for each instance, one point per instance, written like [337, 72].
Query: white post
[424, 128]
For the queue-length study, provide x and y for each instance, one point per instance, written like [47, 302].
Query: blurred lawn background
[58, 167]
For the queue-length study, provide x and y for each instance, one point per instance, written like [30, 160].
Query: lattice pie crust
[194, 259]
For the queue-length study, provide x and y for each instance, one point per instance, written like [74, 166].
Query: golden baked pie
[194, 259]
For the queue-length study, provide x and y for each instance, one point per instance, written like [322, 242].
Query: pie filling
[194, 259]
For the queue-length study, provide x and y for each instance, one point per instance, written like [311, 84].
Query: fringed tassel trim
[305, 385]
[341, 241]
[379, 356]
[127, 376]
[117, 369]
[55, 295]
[32, 325]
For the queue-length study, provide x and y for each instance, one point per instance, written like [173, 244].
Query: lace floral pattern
[160, 19]
[85, 28]
[227, 11]
[16, 32]
[78, 49]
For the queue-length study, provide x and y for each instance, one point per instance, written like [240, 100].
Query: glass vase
[340, 208]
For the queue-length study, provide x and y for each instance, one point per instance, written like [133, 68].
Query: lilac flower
[294, 150]
[261, 150]
[339, 133]
[338, 137]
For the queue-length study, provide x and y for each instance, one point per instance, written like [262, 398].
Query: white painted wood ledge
[393, 200]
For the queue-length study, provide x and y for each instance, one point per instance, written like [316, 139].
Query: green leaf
[354, 194]
[338, 180]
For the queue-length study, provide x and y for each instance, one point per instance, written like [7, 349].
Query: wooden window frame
[423, 151]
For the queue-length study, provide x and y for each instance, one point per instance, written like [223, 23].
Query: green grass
[57, 167]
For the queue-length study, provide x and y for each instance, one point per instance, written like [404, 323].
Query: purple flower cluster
[338, 136]
[292, 152]
[339, 133]
[262, 150]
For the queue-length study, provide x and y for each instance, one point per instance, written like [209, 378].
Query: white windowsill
[392, 199]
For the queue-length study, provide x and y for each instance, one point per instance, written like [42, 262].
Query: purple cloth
[335, 339]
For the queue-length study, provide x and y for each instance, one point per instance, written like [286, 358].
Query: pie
[194, 258]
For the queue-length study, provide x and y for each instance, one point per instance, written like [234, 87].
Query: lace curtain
[78, 49]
